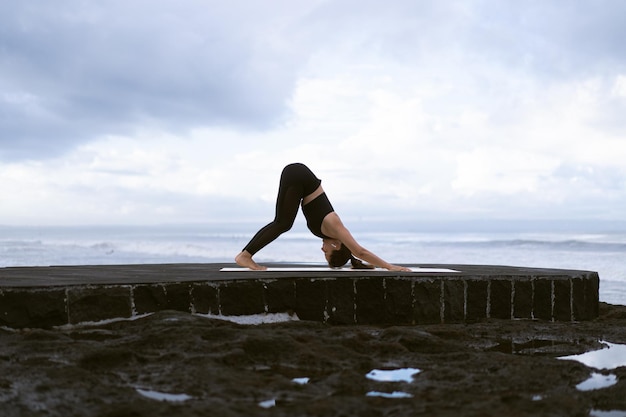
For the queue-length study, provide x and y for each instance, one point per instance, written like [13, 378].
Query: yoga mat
[328, 269]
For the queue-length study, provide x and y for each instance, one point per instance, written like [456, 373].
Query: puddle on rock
[393, 375]
[254, 319]
[528, 347]
[608, 358]
[162, 396]
[611, 357]
[395, 394]
[597, 381]
[609, 413]
[301, 381]
[268, 403]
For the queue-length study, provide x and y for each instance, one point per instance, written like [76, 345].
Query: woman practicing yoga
[299, 184]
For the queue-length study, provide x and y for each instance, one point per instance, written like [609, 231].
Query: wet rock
[200, 366]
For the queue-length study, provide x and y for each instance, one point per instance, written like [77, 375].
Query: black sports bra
[315, 211]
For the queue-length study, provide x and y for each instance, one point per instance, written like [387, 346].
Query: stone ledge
[53, 296]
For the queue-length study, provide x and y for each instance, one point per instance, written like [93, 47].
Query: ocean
[600, 251]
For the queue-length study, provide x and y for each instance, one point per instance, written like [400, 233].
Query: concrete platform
[53, 296]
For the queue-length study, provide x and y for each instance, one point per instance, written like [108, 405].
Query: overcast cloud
[167, 111]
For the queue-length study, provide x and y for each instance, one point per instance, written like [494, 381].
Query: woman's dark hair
[339, 257]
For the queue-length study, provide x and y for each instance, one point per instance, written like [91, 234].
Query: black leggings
[296, 182]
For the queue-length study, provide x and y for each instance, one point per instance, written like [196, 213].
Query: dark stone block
[580, 307]
[523, 299]
[500, 299]
[542, 299]
[242, 298]
[178, 297]
[399, 300]
[562, 300]
[204, 299]
[280, 296]
[341, 300]
[427, 305]
[311, 297]
[454, 300]
[592, 291]
[32, 308]
[370, 301]
[151, 298]
[98, 303]
[585, 297]
[476, 308]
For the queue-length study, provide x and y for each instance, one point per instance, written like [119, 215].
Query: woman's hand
[399, 268]
[332, 226]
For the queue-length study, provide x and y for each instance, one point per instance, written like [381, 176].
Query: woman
[298, 185]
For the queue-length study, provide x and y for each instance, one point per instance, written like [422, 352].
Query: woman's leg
[290, 193]
[287, 206]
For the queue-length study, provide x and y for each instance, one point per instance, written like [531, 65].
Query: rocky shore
[176, 364]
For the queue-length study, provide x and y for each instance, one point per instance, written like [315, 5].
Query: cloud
[72, 71]
[551, 39]
[148, 111]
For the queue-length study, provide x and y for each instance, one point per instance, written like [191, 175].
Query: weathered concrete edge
[398, 300]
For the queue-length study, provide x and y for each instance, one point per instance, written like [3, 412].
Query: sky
[162, 111]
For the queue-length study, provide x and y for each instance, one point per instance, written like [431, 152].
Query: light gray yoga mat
[328, 269]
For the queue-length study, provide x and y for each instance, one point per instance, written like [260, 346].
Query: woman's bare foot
[245, 259]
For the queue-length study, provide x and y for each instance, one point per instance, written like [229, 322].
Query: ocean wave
[545, 244]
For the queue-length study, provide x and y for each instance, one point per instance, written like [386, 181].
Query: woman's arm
[333, 227]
